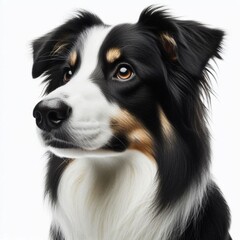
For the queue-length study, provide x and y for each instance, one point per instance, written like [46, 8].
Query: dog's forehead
[87, 48]
[90, 43]
[107, 40]
[110, 43]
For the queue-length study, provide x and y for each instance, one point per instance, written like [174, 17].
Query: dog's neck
[110, 197]
[103, 194]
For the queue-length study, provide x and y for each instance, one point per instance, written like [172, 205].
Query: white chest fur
[106, 198]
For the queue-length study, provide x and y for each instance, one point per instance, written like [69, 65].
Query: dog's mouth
[83, 141]
[63, 138]
[59, 143]
[57, 140]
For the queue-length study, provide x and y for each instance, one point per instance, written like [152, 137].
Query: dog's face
[120, 87]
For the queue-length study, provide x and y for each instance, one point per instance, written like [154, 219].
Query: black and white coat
[124, 123]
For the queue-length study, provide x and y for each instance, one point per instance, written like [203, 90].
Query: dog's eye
[124, 72]
[67, 75]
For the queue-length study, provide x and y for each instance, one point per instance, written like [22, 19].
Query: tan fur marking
[58, 48]
[113, 54]
[73, 58]
[166, 125]
[139, 138]
[169, 45]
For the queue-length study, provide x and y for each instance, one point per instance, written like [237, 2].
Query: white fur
[89, 123]
[97, 196]
[111, 197]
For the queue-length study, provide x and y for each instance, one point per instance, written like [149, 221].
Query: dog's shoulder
[213, 219]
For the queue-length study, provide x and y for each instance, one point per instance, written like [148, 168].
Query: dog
[124, 123]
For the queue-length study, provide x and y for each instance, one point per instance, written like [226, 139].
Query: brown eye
[67, 75]
[124, 72]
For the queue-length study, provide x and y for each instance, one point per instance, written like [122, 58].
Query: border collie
[124, 122]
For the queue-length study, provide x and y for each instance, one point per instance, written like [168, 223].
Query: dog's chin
[74, 153]
[70, 150]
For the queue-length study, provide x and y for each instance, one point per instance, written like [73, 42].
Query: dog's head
[126, 86]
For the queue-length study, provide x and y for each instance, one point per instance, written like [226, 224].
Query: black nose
[50, 114]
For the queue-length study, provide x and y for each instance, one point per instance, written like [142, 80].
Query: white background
[24, 214]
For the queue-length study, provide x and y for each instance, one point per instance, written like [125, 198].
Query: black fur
[55, 168]
[55, 234]
[211, 222]
[67, 33]
[177, 86]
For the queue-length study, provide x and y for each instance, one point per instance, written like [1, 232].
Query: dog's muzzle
[51, 113]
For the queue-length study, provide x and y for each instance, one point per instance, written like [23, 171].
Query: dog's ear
[186, 42]
[52, 47]
[196, 44]
[41, 55]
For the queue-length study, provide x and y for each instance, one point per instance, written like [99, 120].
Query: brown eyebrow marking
[73, 58]
[113, 54]
[58, 47]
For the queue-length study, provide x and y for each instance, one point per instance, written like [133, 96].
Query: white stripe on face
[89, 123]
[92, 41]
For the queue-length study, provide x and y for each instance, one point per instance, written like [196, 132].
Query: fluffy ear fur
[48, 49]
[187, 42]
